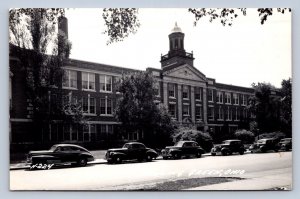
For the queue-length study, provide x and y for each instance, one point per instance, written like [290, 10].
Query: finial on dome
[176, 28]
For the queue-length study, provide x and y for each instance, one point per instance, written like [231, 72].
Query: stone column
[165, 93]
[193, 104]
[204, 94]
[179, 89]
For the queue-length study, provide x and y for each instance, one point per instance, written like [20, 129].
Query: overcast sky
[242, 54]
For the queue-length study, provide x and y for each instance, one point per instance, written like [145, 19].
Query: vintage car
[182, 148]
[130, 151]
[60, 154]
[264, 145]
[285, 144]
[228, 147]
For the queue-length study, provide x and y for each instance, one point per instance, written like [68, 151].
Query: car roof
[267, 139]
[71, 145]
[134, 143]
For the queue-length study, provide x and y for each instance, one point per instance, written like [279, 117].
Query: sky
[242, 54]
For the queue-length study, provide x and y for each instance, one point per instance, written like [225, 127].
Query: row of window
[185, 92]
[227, 100]
[186, 110]
[227, 113]
[89, 104]
[88, 81]
[84, 133]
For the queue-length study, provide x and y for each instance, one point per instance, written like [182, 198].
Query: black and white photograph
[150, 99]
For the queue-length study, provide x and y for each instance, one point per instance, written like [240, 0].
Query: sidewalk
[269, 182]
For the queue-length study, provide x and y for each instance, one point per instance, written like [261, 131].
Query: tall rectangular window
[186, 109]
[157, 89]
[117, 84]
[172, 110]
[185, 92]
[211, 113]
[171, 90]
[220, 97]
[105, 106]
[210, 95]
[106, 83]
[220, 113]
[228, 113]
[198, 112]
[198, 93]
[235, 98]
[70, 79]
[89, 105]
[244, 100]
[88, 81]
[227, 98]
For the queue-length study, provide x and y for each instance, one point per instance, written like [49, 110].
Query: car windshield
[226, 142]
[126, 146]
[53, 148]
[179, 144]
[261, 141]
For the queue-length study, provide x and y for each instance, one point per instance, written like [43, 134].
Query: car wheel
[82, 162]
[242, 152]
[148, 158]
[118, 160]
[213, 154]
[165, 158]
[198, 154]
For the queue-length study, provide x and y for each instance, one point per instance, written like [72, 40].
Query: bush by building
[247, 137]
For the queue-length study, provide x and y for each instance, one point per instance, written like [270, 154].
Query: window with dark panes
[92, 105]
[198, 93]
[186, 109]
[185, 92]
[210, 95]
[211, 113]
[172, 110]
[93, 132]
[198, 112]
[171, 90]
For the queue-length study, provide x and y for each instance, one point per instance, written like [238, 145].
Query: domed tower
[177, 53]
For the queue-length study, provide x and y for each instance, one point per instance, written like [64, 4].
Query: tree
[34, 40]
[137, 111]
[203, 139]
[121, 22]
[286, 106]
[245, 136]
[264, 105]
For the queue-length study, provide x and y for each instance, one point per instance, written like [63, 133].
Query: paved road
[134, 175]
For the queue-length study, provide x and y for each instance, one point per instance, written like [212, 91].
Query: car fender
[175, 151]
[117, 154]
[152, 152]
[225, 149]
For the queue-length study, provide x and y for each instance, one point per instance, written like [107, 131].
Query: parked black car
[61, 154]
[264, 145]
[285, 144]
[228, 147]
[130, 151]
[182, 148]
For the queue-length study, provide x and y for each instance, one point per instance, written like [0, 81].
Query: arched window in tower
[176, 43]
[181, 43]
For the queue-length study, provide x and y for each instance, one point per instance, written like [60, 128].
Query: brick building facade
[191, 98]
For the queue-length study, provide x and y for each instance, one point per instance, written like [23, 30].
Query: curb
[21, 166]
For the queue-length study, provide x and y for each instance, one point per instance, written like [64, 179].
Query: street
[273, 168]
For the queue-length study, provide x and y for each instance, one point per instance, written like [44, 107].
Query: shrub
[275, 135]
[203, 139]
[245, 136]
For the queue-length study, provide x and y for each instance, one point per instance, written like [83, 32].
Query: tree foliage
[245, 136]
[226, 16]
[203, 139]
[137, 111]
[286, 105]
[120, 23]
[265, 106]
[32, 33]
